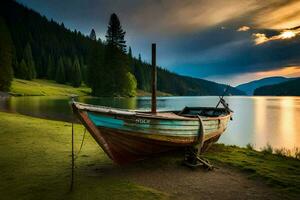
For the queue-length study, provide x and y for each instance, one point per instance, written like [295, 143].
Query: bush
[250, 146]
[267, 149]
[283, 152]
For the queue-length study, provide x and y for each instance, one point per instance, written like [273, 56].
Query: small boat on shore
[129, 135]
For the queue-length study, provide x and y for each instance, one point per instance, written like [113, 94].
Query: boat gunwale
[109, 111]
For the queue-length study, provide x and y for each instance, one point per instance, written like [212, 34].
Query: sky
[232, 41]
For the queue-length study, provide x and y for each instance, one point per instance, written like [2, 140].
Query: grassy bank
[40, 87]
[35, 164]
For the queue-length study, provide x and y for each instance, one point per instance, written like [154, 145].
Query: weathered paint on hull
[127, 139]
[175, 131]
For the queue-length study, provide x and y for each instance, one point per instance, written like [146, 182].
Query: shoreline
[48, 159]
[42, 87]
[4, 94]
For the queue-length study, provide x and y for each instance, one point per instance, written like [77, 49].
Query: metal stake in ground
[73, 164]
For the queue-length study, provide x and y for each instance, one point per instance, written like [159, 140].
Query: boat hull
[126, 138]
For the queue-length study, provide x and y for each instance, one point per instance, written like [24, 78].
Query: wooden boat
[128, 135]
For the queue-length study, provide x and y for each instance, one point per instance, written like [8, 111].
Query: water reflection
[287, 131]
[257, 120]
[260, 119]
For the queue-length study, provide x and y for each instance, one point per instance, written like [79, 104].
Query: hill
[49, 49]
[288, 88]
[249, 87]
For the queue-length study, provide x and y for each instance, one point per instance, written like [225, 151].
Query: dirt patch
[181, 182]
[221, 183]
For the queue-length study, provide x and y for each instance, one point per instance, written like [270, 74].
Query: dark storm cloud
[195, 37]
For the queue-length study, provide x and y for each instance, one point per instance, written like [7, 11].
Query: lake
[256, 120]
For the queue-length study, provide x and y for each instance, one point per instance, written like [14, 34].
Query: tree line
[42, 48]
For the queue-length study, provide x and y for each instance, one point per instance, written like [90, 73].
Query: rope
[74, 157]
[77, 155]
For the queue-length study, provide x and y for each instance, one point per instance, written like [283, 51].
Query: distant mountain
[249, 88]
[288, 88]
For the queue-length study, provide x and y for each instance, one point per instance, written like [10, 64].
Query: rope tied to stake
[74, 157]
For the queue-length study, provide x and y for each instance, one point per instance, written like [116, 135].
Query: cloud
[279, 15]
[260, 38]
[189, 33]
[243, 28]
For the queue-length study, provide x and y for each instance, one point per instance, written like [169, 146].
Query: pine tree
[60, 76]
[6, 71]
[23, 70]
[93, 35]
[50, 68]
[29, 62]
[95, 69]
[130, 53]
[68, 66]
[116, 65]
[115, 34]
[76, 74]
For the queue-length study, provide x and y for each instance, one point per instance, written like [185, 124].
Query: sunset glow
[243, 28]
[292, 71]
[260, 38]
[287, 34]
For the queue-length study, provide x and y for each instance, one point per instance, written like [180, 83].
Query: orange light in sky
[292, 71]
[260, 38]
[289, 71]
[287, 34]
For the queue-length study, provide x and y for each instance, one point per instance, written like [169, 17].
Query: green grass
[35, 164]
[40, 87]
[277, 171]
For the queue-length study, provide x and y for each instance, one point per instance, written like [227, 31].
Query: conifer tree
[115, 34]
[95, 69]
[60, 76]
[6, 71]
[68, 66]
[93, 35]
[130, 53]
[29, 62]
[23, 70]
[50, 68]
[76, 74]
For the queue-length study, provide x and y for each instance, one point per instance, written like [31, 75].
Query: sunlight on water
[256, 120]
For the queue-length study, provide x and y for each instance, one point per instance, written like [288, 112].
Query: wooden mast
[154, 79]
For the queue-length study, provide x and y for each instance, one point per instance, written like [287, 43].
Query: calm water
[256, 120]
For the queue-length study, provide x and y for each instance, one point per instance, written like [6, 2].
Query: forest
[288, 88]
[33, 46]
